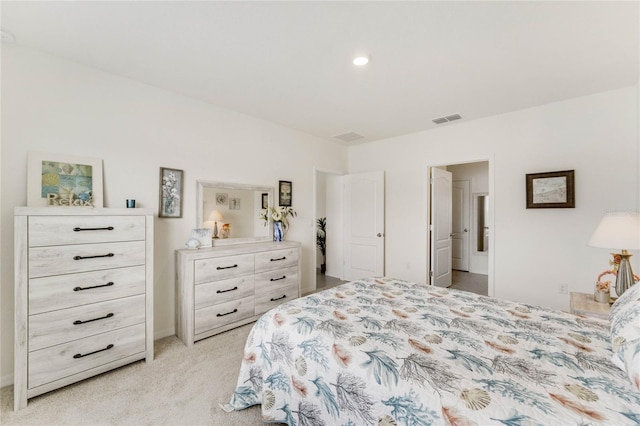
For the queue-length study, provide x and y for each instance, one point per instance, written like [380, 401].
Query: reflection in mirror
[232, 211]
[481, 220]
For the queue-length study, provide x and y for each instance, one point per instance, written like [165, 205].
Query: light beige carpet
[182, 386]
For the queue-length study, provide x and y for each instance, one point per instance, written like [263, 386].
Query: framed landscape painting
[551, 190]
[63, 180]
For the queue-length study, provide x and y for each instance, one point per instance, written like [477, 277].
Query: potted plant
[321, 242]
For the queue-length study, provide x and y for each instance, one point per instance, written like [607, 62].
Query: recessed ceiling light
[360, 61]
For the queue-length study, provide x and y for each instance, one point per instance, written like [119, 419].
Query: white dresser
[83, 294]
[224, 287]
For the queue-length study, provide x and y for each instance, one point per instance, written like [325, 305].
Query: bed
[391, 352]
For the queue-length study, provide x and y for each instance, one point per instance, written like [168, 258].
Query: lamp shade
[618, 230]
[215, 216]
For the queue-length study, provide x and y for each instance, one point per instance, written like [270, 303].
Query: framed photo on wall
[171, 183]
[63, 180]
[265, 200]
[551, 190]
[284, 191]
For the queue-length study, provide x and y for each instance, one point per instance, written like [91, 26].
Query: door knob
[379, 234]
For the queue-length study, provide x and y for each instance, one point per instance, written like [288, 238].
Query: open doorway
[328, 229]
[460, 214]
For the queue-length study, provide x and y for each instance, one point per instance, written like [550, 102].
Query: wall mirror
[232, 211]
[481, 222]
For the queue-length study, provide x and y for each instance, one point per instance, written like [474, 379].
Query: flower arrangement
[170, 192]
[278, 214]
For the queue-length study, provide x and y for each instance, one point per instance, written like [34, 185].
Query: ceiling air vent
[447, 118]
[348, 137]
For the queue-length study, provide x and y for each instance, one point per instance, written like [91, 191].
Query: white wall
[53, 105]
[537, 249]
[478, 176]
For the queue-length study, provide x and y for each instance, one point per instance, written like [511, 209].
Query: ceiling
[290, 62]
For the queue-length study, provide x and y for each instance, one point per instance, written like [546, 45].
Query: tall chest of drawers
[83, 294]
[224, 287]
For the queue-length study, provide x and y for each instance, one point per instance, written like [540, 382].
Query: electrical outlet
[563, 288]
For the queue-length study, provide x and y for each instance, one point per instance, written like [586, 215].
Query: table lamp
[619, 230]
[215, 217]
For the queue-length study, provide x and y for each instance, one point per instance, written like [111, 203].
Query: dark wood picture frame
[285, 193]
[265, 200]
[551, 190]
[171, 189]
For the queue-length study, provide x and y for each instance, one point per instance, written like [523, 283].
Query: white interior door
[364, 225]
[460, 225]
[441, 224]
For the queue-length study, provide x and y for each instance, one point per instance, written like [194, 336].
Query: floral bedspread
[391, 352]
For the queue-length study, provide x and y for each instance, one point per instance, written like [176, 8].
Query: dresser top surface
[81, 211]
[232, 249]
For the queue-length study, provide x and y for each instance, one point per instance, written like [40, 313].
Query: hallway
[467, 281]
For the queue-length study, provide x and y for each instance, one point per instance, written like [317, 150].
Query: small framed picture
[171, 183]
[222, 198]
[234, 204]
[265, 200]
[551, 190]
[284, 191]
[203, 235]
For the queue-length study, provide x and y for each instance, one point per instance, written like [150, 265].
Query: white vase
[601, 296]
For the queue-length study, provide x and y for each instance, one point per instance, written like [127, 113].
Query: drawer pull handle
[227, 267]
[93, 257]
[78, 322]
[108, 228]
[280, 258]
[278, 298]
[110, 283]
[228, 313]
[224, 291]
[76, 356]
[278, 279]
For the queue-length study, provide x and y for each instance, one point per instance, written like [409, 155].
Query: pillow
[624, 321]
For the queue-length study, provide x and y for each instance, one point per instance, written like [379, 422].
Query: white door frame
[492, 240]
[317, 170]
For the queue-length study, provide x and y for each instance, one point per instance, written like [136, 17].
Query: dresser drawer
[56, 362]
[266, 301]
[46, 261]
[217, 292]
[268, 282]
[220, 268]
[66, 291]
[56, 327]
[276, 259]
[60, 230]
[225, 313]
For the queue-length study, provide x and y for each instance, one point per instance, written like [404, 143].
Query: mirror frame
[474, 219]
[201, 184]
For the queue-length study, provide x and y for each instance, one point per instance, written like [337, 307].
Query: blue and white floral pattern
[625, 333]
[391, 352]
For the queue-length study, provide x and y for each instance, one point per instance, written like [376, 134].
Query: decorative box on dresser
[224, 287]
[83, 294]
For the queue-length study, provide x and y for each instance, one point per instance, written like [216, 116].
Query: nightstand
[584, 304]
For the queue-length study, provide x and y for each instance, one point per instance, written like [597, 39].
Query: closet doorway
[460, 221]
